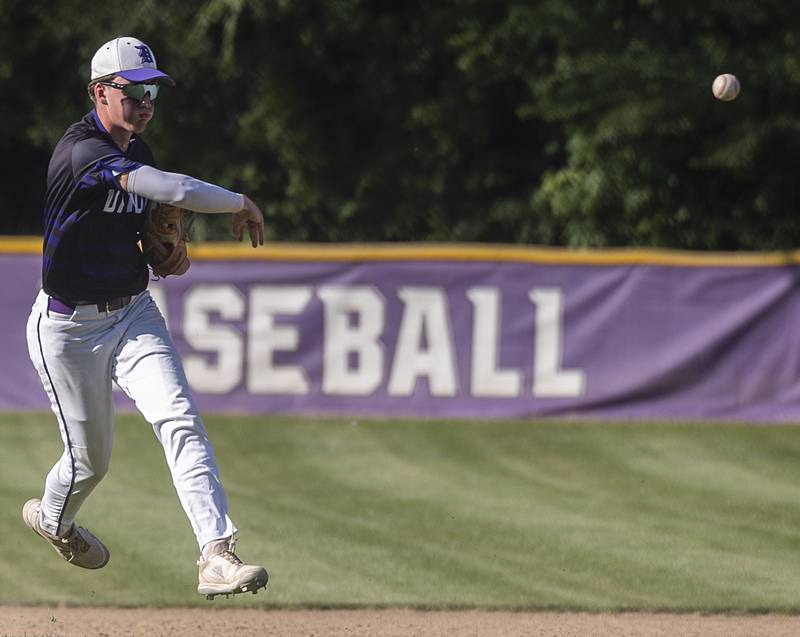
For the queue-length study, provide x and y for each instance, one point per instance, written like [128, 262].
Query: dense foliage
[557, 122]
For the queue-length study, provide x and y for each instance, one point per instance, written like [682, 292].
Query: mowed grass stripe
[349, 513]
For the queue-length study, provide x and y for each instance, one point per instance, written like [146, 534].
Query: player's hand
[251, 217]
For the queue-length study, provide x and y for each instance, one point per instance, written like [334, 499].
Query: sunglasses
[135, 91]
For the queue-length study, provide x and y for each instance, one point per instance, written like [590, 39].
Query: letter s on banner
[204, 375]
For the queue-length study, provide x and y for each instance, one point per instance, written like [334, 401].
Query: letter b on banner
[352, 357]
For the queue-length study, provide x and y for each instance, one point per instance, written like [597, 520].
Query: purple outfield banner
[464, 332]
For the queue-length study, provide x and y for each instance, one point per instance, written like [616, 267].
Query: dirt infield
[107, 622]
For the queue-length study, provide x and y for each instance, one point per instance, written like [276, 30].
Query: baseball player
[94, 321]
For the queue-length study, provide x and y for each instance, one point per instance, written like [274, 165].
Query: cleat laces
[229, 555]
[72, 545]
[226, 554]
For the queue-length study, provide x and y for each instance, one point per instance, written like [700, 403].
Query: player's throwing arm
[200, 196]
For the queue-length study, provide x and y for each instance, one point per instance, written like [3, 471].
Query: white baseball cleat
[78, 546]
[223, 573]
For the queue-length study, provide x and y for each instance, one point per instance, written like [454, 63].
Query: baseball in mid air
[726, 87]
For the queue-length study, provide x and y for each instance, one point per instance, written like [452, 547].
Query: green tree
[556, 122]
[652, 158]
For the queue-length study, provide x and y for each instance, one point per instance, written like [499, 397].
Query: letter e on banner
[267, 337]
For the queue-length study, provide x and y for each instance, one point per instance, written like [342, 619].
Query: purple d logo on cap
[144, 54]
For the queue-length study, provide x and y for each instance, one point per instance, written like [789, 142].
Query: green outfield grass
[436, 514]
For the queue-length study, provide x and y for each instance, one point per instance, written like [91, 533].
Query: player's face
[126, 112]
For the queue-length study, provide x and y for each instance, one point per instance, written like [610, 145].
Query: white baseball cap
[127, 57]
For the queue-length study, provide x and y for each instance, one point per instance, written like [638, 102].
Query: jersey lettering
[136, 203]
[112, 201]
[117, 202]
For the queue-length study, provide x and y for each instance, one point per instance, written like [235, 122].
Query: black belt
[62, 307]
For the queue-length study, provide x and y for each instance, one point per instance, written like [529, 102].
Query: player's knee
[179, 431]
[91, 471]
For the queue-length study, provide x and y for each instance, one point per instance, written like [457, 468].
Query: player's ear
[100, 93]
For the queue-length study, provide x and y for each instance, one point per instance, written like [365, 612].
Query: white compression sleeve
[182, 190]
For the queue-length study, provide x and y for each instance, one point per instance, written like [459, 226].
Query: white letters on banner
[221, 372]
[487, 378]
[425, 317]
[549, 380]
[354, 318]
[355, 358]
[267, 337]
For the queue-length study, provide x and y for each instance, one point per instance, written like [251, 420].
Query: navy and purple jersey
[92, 225]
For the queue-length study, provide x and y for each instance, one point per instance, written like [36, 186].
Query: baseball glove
[164, 240]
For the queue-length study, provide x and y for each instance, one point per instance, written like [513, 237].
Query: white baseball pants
[77, 357]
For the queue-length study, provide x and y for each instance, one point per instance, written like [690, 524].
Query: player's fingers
[254, 227]
[258, 234]
[238, 227]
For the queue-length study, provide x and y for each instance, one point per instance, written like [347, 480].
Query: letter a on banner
[425, 313]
